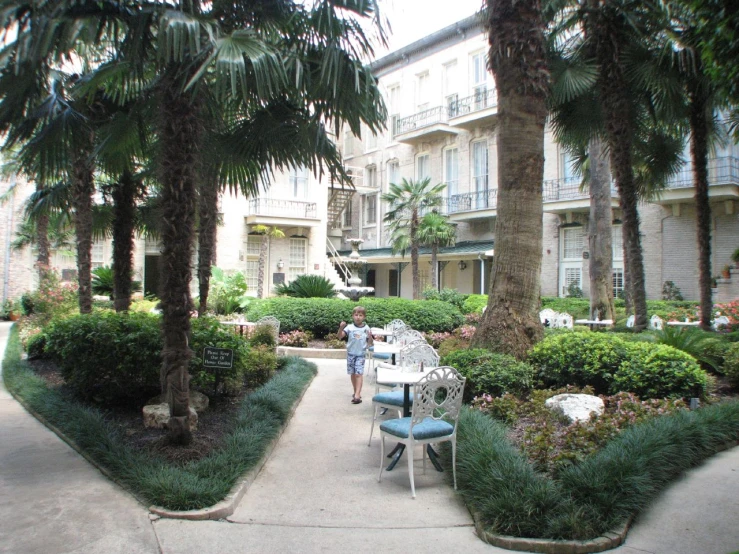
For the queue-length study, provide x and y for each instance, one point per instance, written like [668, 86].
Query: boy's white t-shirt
[357, 339]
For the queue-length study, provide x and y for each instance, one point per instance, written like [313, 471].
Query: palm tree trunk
[699, 155]
[414, 255]
[124, 215]
[262, 265]
[517, 57]
[83, 188]
[180, 141]
[42, 242]
[599, 233]
[207, 236]
[618, 118]
[435, 266]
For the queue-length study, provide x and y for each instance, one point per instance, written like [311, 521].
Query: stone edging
[326, 353]
[609, 540]
[227, 506]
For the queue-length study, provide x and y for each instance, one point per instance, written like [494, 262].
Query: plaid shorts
[354, 364]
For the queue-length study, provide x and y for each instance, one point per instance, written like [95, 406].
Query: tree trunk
[600, 233]
[435, 266]
[42, 242]
[699, 155]
[83, 188]
[207, 236]
[262, 264]
[414, 256]
[124, 214]
[617, 112]
[180, 138]
[517, 57]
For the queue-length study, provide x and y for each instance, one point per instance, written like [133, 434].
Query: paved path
[317, 493]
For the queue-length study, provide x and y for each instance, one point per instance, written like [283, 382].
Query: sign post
[217, 359]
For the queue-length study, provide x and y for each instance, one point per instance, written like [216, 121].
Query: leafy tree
[406, 203]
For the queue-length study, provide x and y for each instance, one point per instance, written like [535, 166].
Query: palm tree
[517, 57]
[407, 201]
[267, 234]
[435, 231]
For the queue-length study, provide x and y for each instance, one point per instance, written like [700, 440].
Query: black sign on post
[220, 358]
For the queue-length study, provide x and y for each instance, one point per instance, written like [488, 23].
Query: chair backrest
[427, 402]
[547, 317]
[273, 322]
[418, 353]
[630, 321]
[655, 322]
[395, 324]
[720, 321]
[408, 335]
[564, 320]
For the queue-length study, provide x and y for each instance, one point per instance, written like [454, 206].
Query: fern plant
[102, 282]
[307, 286]
[691, 341]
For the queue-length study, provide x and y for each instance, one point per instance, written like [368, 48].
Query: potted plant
[735, 257]
[714, 281]
[11, 310]
[726, 272]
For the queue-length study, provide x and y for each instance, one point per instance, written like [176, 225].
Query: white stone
[577, 407]
[198, 401]
[157, 416]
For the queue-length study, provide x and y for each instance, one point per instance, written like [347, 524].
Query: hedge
[322, 316]
[490, 373]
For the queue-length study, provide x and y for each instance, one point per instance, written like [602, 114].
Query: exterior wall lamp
[462, 265]
[280, 264]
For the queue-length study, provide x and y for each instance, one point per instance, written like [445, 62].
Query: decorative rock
[198, 401]
[157, 416]
[577, 407]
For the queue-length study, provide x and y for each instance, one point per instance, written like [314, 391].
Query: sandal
[356, 400]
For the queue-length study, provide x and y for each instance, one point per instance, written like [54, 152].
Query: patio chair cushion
[391, 398]
[381, 356]
[429, 428]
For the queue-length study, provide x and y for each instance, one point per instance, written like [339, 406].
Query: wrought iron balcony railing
[568, 188]
[721, 171]
[281, 208]
[420, 120]
[470, 201]
[479, 101]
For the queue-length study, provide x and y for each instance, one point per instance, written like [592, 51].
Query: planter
[13, 316]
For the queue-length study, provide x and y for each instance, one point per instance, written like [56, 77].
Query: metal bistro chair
[408, 335]
[547, 317]
[655, 322]
[393, 399]
[433, 418]
[396, 326]
[272, 322]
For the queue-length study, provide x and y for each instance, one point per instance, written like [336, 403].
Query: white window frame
[346, 215]
[423, 161]
[617, 244]
[253, 245]
[423, 91]
[370, 176]
[370, 210]
[572, 242]
[479, 78]
[370, 142]
[393, 93]
[97, 254]
[298, 178]
[393, 172]
[251, 273]
[480, 172]
[451, 170]
[451, 92]
[297, 258]
[348, 144]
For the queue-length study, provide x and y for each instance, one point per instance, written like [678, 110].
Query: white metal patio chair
[656, 323]
[273, 323]
[547, 317]
[437, 399]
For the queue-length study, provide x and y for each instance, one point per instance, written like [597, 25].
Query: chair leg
[372, 429]
[382, 456]
[454, 461]
[409, 453]
[423, 457]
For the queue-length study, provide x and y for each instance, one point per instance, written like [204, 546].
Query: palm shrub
[696, 342]
[103, 279]
[307, 286]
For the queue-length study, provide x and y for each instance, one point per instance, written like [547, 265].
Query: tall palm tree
[435, 231]
[267, 234]
[517, 57]
[406, 203]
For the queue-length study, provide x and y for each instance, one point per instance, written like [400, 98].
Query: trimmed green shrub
[731, 363]
[262, 335]
[475, 303]
[578, 358]
[453, 296]
[490, 373]
[36, 346]
[322, 316]
[116, 357]
[261, 364]
[578, 308]
[659, 371]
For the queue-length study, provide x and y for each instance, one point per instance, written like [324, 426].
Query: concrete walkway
[317, 493]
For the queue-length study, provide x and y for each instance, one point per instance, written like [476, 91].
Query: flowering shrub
[473, 318]
[730, 310]
[295, 338]
[435, 339]
[552, 443]
[465, 332]
[52, 297]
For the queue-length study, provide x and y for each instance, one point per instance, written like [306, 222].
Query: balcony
[423, 126]
[564, 195]
[472, 205]
[479, 109]
[723, 182]
[269, 211]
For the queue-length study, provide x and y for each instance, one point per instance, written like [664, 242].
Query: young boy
[359, 339]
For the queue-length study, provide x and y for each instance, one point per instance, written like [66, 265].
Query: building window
[423, 167]
[618, 282]
[451, 171]
[393, 173]
[572, 243]
[97, 258]
[478, 78]
[394, 108]
[422, 91]
[370, 176]
[297, 261]
[424, 279]
[450, 88]
[480, 172]
[299, 182]
[370, 142]
[617, 243]
[370, 209]
[348, 144]
[565, 162]
[253, 245]
[252, 276]
[347, 217]
[573, 276]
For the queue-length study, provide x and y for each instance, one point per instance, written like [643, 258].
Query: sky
[411, 20]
